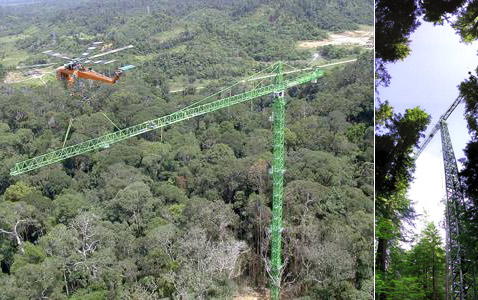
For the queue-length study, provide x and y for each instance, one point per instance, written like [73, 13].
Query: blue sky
[428, 78]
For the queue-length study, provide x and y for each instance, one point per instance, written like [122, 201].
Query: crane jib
[106, 140]
[435, 129]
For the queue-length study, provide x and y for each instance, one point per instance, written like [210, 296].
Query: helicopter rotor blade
[111, 51]
[35, 66]
[88, 63]
[55, 54]
[91, 48]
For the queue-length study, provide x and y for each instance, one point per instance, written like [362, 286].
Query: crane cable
[225, 89]
[251, 78]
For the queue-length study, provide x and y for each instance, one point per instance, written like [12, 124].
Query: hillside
[184, 213]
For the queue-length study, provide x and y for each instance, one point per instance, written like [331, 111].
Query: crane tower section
[461, 271]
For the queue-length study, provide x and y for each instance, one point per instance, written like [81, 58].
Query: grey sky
[428, 78]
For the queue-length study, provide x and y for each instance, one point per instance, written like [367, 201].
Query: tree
[393, 173]
[16, 218]
[418, 273]
[203, 262]
[395, 21]
[428, 257]
[185, 211]
[3, 72]
[469, 91]
[17, 192]
[466, 24]
[134, 205]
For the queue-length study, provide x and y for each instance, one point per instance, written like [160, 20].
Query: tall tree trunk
[380, 260]
[425, 285]
[434, 297]
[381, 255]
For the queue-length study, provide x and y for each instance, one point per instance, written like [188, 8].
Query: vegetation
[468, 89]
[396, 137]
[395, 21]
[418, 273]
[335, 52]
[184, 213]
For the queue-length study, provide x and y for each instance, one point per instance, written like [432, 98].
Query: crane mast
[462, 276]
[277, 184]
[461, 283]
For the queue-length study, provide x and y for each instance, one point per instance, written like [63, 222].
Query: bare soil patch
[358, 37]
[249, 294]
[16, 76]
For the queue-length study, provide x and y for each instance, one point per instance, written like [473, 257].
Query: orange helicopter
[81, 67]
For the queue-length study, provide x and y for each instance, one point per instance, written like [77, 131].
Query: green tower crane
[277, 88]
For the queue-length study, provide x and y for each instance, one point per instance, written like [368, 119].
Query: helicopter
[81, 67]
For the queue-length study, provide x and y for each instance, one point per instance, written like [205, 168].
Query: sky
[428, 78]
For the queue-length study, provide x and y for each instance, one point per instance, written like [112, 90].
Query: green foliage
[394, 24]
[418, 273]
[32, 255]
[17, 192]
[176, 211]
[3, 72]
[385, 229]
[170, 193]
[396, 21]
[68, 205]
[84, 295]
[184, 212]
[52, 183]
[394, 164]
[218, 153]
[465, 24]
[383, 114]
[468, 90]
[337, 52]
[396, 137]
[356, 133]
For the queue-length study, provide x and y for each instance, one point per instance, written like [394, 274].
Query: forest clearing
[350, 38]
[17, 77]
